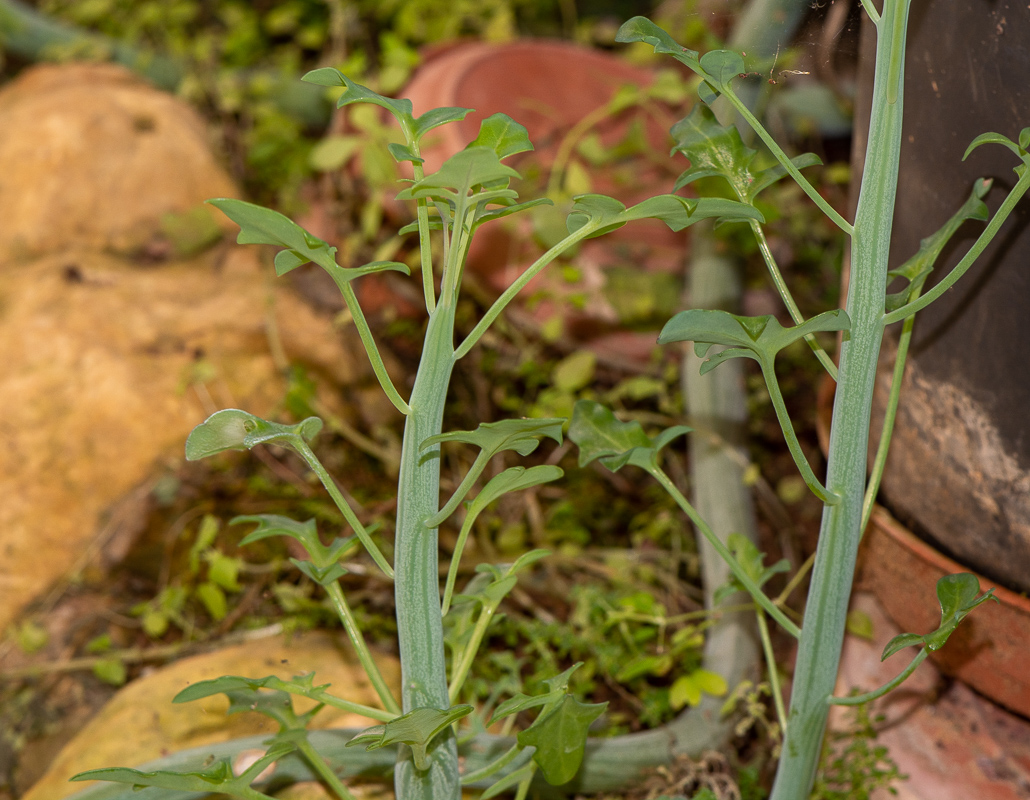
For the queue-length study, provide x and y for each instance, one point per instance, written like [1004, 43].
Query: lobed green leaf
[560, 738]
[599, 435]
[521, 435]
[417, 729]
[760, 338]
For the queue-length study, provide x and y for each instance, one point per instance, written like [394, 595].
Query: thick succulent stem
[822, 632]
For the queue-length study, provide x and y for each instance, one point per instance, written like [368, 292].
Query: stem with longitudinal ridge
[822, 632]
[416, 580]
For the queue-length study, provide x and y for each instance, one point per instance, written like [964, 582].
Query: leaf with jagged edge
[751, 559]
[233, 429]
[677, 212]
[503, 135]
[717, 150]
[600, 435]
[560, 738]
[417, 729]
[958, 595]
[259, 225]
[918, 268]
[760, 338]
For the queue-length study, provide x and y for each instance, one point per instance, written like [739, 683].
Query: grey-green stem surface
[822, 632]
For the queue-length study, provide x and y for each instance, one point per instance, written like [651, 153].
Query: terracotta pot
[988, 651]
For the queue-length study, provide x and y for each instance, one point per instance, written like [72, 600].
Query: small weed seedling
[418, 731]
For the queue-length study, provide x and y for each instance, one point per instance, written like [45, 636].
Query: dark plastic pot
[959, 471]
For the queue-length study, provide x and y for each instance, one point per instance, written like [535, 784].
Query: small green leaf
[213, 599]
[417, 729]
[859, 624]
[958, 595]
[461, 174]
[560, 738]
[223, 570]
[641, 29]
[323, 576]
[208, 780]
[598, 434]
[713, 150]
[333, 152]
[644, 664]
[521, 435]
[356, 93]
[513, 479]
[436, 117]
[232, 429]
[751, 560]
[31, 637]
[260, 225]
[760, 338]
[503, 135]
[919, 267]
[403, 152]
[722, 66]
[688, 689]
[607, 214]
[899, 642]
[993, 138]
[111, 671]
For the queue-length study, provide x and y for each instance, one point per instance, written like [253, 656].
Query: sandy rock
[107, 367]
[91, 155]
[141, 724]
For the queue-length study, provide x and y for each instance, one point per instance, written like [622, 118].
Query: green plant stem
[859, 699]
[795, 580]
[890, 414]
[788, 298]
[870, 9]
[785, 162]
[452, 569]
[468, 654]
[341, 503]
[248, 793]
[820, 491]
[509, 294]
[822, 635]
[988, 233]
[425, 243]
[770, 662]
[319, 765]
[417, 583]
[358, 642]
[493, 768]
[463, 489]
[361, 324]
[745, 580]
[568, 144]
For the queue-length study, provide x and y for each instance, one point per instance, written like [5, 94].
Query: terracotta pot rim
[886, 523]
